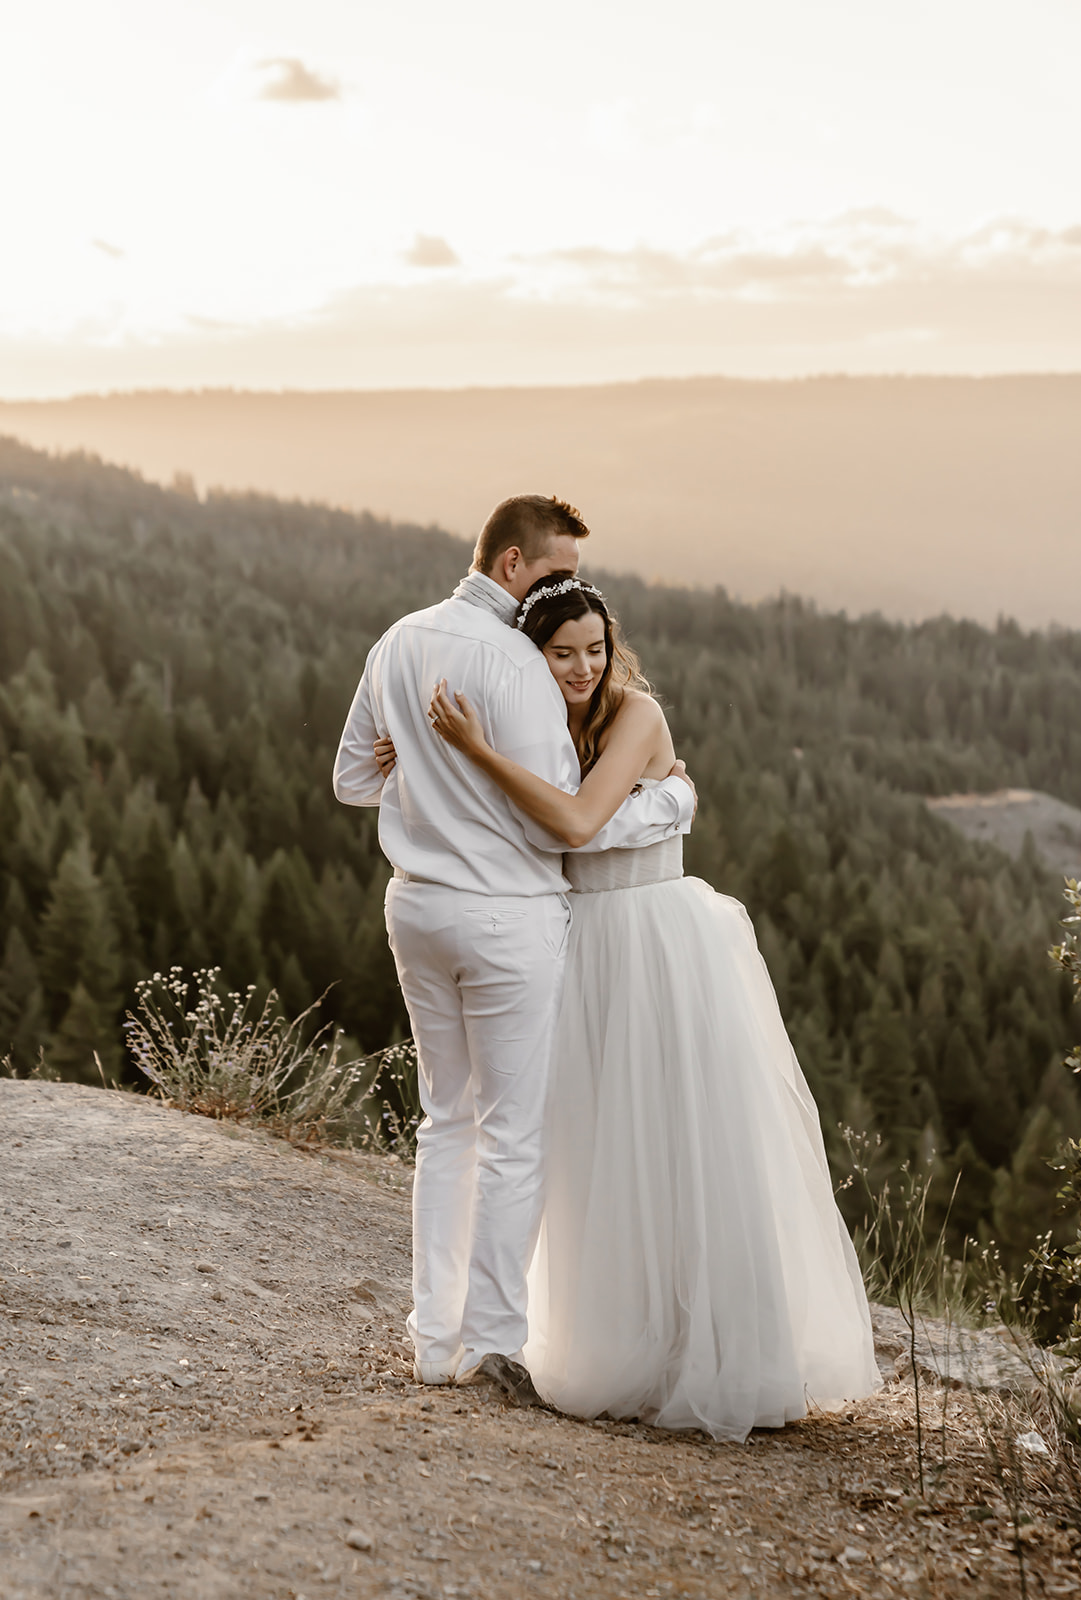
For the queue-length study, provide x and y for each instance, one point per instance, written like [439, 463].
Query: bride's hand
[386, 756]
[679, 770]
[456, 721]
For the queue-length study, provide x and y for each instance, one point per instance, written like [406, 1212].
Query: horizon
[285, 391]
[909, 495]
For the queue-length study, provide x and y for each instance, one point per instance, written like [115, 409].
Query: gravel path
[203, 1393]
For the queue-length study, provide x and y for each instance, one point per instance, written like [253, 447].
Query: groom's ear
[508, 562]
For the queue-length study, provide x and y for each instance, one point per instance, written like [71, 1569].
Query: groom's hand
[679, 770]
[385, 756]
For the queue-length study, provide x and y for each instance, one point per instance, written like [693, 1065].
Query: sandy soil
[204, 1394]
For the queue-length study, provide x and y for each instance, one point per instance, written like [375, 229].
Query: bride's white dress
[693, 1269]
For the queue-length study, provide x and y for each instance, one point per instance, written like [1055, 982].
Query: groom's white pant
[482, 978]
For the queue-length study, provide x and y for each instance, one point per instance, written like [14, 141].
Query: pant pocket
[563, 927]
[495, 920]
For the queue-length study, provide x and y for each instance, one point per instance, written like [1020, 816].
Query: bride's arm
[634, 738]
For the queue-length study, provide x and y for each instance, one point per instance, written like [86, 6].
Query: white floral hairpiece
[549, 592]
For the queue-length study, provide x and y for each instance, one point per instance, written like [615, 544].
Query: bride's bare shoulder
[642, 707]
[643, 719]
[640, 717]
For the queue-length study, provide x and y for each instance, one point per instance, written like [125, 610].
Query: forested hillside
[173, 680]
[909, 495]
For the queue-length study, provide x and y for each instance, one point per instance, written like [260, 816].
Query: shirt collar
[480, 590]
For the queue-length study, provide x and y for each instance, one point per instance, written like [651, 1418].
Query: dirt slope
[203, 1394]
[1005, 816]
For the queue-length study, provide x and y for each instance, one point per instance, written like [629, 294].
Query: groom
[478, 921]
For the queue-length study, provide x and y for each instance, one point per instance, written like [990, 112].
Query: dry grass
[225, 1055]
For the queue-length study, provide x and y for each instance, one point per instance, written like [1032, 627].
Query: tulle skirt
[693, 1270]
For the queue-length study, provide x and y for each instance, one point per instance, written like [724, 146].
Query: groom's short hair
[529, 522]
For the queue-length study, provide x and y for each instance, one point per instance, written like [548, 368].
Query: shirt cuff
[683, 795]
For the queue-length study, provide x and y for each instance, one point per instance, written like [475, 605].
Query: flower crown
[549, 592]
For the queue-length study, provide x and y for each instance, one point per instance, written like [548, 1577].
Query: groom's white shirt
[441, 819]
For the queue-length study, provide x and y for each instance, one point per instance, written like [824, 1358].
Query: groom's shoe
[435, 1371]
[511, 1377]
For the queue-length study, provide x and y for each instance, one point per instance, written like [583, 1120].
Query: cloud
[870, 216]
[807, 263]
[212, 325]
[429, 251]
[107, 249]
[295, 82]
[723, 267]
[865, 292]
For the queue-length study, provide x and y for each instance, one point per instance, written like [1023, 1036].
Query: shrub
[225, 1055]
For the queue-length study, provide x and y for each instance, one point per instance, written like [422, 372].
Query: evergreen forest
[174, 675]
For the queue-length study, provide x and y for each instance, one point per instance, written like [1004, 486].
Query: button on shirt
[443, 820]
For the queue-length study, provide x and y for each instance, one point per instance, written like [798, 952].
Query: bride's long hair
[544, 614]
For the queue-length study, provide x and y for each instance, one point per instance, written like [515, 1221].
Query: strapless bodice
[591, 873]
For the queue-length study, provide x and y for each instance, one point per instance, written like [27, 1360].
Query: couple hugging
[621, 1201]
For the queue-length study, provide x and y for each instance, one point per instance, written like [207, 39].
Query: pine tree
[1023, 1199]
[150, 883]
[148, 733]
[958, 1087]
[86, 1028]
[886, 1077]
[22, 1009]
[77, 941]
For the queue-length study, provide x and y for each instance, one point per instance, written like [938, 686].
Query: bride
[693, 1269]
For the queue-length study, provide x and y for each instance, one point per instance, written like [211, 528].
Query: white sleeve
[644, 818]
[529, 726]
[357, 779]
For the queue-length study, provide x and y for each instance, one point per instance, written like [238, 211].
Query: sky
[342, 194]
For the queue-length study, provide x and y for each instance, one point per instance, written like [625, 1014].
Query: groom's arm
[357, 778]
[646, 817]
[528, 724]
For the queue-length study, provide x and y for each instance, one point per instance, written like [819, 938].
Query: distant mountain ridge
[910, 496]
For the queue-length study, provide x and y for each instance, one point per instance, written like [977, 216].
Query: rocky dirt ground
[204, 1393]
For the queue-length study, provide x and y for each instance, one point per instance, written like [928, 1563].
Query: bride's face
[576, 656]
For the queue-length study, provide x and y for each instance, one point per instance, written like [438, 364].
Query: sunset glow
[339, 195]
